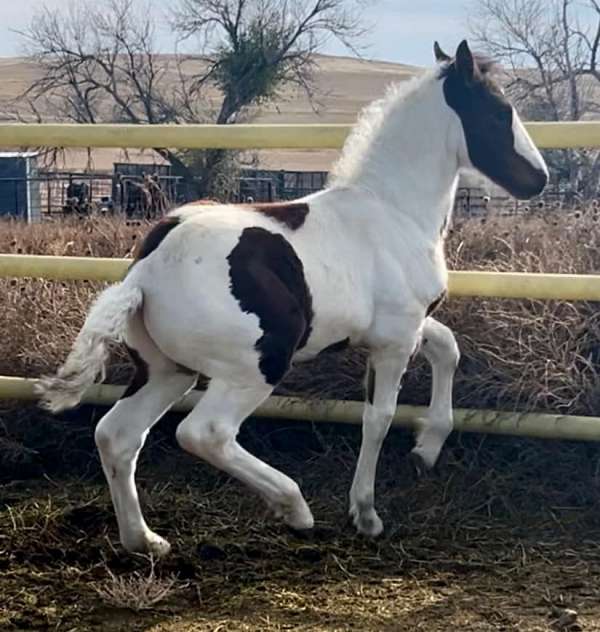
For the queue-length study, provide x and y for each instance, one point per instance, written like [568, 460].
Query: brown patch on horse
[292, 214]
[155, 236]
[267, 279]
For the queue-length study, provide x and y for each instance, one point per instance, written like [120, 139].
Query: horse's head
[492, 138]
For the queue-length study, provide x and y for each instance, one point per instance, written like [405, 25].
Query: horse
[238, 293]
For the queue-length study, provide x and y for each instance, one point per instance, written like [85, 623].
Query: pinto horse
[239, 293]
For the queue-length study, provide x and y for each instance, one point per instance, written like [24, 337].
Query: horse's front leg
[384, 373]
[439, 346]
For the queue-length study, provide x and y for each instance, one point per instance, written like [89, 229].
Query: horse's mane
[369, 125]
[372, 118]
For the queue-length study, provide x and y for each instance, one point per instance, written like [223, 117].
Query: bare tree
[99, 63]
[88, 55]
[254, 48]
[550, 50]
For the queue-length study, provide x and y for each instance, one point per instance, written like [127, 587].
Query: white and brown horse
[238, 293]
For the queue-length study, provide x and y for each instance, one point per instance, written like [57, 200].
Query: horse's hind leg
[440, 348]
[121, 433]
[210, 431]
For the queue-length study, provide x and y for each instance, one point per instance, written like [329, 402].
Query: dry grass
[530, 355]
[136, 591]
[504, 537]
[41, 318]
[495, 541]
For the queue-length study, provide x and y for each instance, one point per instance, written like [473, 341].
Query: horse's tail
[106, 321]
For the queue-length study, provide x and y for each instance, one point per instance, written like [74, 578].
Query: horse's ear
[465, 64]
[440, 55]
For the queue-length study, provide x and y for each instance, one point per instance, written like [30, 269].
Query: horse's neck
[411, 164]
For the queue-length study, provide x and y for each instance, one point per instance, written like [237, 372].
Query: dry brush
[526, 355]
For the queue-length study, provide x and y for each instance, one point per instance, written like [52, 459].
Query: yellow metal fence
[566, 287]
[468, 283]
[546, 136]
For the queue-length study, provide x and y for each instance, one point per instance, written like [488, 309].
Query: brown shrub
[41, 318]
[530, 355]
[136, 591]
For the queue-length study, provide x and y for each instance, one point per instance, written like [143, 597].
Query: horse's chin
[525, 186]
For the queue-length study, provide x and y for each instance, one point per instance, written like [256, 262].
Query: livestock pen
[504, 534]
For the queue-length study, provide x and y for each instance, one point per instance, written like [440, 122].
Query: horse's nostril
[532, 183]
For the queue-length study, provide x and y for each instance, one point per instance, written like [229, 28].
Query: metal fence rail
[468, 283]
[20, 135]
[521, 285]
[540, 425]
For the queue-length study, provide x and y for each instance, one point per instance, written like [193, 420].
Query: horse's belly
[336, 323]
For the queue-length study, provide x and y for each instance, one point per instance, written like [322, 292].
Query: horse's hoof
[294, 512]
[158, 547]
[367, 522]
[300, 534]
[299, 520]
[151, 544]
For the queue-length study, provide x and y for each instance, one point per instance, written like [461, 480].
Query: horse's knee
[113, 442]
[451, 352]
[105, 434]
[439, 345]
[186, 437]
[436, 426]
[208, 440]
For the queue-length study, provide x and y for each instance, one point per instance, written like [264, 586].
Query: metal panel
[13, 187]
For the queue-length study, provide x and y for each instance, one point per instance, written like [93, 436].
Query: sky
[402, 30]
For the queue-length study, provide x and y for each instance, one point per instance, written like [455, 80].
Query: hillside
[343, 87]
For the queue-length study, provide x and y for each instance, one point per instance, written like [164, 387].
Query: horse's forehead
[493, 86]
[484, 95]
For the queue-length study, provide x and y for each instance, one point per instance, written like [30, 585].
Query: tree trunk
[215, 158]
[191, 189]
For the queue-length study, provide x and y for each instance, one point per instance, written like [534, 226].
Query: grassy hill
[344, 86]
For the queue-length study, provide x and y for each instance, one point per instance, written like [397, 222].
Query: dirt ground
[505, 535]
